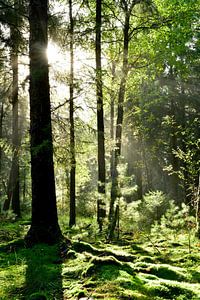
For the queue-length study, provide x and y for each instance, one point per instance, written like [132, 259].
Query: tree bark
[72, 217]
[13, 192]
[100, 122]
[1, 136]
[120, 113]
[1, 133]
[112, 116]
[44, 224]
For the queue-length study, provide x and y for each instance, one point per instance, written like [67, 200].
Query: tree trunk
[44, 224]
[1, 133]
[100, 122]
[72, 217]
[120, 113]
[13, 182]
[198, 209]
[1, 136]
[112, 115]
[174, 160]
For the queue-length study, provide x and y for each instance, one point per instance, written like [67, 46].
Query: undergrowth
[143, 269]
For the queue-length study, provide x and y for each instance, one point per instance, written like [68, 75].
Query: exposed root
[85, 247]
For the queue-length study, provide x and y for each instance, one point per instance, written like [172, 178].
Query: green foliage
[153, 206]
[140, 215]
[174, 222]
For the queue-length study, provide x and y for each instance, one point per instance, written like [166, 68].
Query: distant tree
[13, 193]
[1, 132]
[72, 217]
[100, 121]
[127, 9]
[44, 224]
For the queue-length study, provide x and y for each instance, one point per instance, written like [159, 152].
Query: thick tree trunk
[44, 225]
[120, 113]
[72, 217]
[100, 122]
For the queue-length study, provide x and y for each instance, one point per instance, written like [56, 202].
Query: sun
[52, 52]
[56, 57]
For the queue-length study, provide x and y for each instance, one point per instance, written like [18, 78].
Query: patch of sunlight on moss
[120, 249]
[127, 281]
[74, 267]
[170, 289]
[148, 259]
[134, 295]
[73, 289]
[123, 251]
[73, 271]
[162, 270]
[107, 289]
[11, 278]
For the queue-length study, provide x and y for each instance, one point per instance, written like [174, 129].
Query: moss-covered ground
[127, 269]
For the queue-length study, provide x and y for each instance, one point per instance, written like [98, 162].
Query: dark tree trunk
[100, 122]
[120, 113]
[13, 182]
[44, 225]
[72, 217]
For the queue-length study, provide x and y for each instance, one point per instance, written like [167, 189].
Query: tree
[44, 224]
[72, 219]
[1, 134]
[100, 122]
[13, 192]
[120, 112]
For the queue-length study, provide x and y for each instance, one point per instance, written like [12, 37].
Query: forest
[99, 149]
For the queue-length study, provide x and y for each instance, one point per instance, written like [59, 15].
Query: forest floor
[130, 268]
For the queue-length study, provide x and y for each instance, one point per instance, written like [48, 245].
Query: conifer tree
[44, 224]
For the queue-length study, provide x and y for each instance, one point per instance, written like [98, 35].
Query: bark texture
[100, 122]
[72, 217]
[13, 193]
[44, 225]
[120, 114]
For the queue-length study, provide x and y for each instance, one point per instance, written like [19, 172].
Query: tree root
[97, 262]
[85, 247]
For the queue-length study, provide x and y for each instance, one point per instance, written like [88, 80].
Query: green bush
[175, 221]
[152, 208]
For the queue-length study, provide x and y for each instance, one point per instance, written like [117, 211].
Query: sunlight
[59, 67]
[54, 54]
[59, 59]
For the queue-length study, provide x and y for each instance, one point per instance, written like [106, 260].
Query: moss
[148, 259]
[86, 247]
[168, 272]
[195, 276]
[101, 271]
[138, 249]
[37, 296]
[162, 270]
[169, 289]
[28, 271]
[108, 272]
